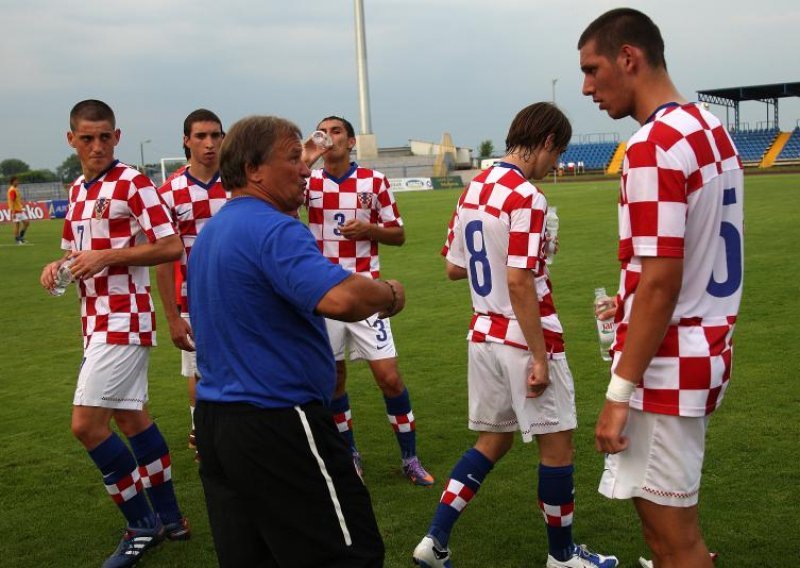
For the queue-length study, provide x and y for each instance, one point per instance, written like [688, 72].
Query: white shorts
[662, 463]
[20, 217]
[188, 359]
[370, 339]
[498, 376]
[113, 376]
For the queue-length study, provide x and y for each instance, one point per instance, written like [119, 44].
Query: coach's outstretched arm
[357, 297]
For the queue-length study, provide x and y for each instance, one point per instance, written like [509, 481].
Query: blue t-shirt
[255, 276]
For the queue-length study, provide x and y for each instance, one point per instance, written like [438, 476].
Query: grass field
[54, 511]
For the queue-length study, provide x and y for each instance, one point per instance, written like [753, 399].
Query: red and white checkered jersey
[191, 203]
[681, 197]
[119, 209]
[499, 223]
[361, 194]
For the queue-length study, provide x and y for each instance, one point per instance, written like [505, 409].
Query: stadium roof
[755, 92]
[731, 97]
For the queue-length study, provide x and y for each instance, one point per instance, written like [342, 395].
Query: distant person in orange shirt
[18, 215]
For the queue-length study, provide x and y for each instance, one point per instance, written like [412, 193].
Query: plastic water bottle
[551, 231]
[321, 139]
[606, 329]
[63, 278]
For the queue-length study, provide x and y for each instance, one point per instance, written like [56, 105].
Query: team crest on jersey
[100, 207]
[365, 199]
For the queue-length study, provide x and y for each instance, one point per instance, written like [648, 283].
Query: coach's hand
[608, 436]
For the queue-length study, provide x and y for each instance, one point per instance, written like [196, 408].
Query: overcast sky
[459, 66]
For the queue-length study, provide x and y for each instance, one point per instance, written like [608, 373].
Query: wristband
[393, 305]
[619, 390]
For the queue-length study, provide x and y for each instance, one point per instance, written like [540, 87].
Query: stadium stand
[594, 155]
[791, 151]
[753, 144]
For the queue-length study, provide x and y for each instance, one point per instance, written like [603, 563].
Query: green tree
[37, 176]
[13, 166]
[486, 149]
[69, 169]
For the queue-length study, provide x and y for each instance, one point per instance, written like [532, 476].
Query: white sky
[461, 66]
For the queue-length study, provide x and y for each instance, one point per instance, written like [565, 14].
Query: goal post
[170, 165]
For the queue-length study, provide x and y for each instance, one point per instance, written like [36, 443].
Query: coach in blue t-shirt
[279, 481]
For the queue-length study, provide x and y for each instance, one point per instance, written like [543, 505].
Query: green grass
[55, 512]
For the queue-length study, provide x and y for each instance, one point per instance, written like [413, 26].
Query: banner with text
[35, 210]
[447, 182]
[411, 184]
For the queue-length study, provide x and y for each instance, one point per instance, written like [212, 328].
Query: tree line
[65, 173]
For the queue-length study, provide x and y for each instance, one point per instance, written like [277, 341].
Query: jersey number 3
[733, 253]
[480, 271]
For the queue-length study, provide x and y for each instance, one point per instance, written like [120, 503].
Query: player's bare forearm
[165, 277]
[357, 297]
[393, 236]
[454, 271]
[90, 262]
[360, 230]
[525, 303]
[653, 306]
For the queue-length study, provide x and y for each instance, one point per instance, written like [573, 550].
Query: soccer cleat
[430, 554]
[415, 473]
[179, 530]
[134, 543]
[582, 557]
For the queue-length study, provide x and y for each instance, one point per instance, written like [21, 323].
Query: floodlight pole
[361, 59]
[554, 81]
[141, 151]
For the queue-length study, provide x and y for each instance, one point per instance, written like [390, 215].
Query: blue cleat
[134, 543]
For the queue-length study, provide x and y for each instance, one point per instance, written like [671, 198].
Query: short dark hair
[347, 126]
[533, 124]
[93, 111]
[12, 180]
[199, 115]
[623, 26]
[249, 143]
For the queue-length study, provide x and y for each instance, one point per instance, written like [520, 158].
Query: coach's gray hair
[249, 143]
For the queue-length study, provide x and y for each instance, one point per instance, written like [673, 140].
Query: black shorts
[281, 489]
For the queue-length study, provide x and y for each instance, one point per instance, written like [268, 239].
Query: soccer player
[116, 227]
[680, 246]
[351, 210]
[192, 196]
[17, 211]
[279, 480]
[518, 375]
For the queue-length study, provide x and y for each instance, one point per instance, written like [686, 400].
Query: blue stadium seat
[753, 144]
[791, 151]
[595, 156]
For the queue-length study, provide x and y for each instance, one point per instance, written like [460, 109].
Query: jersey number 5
[480, 271]
[733, 253]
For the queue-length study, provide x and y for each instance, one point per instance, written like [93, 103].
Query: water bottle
[551, 231]
[63, 278]
[321, 139]
[605, 328]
